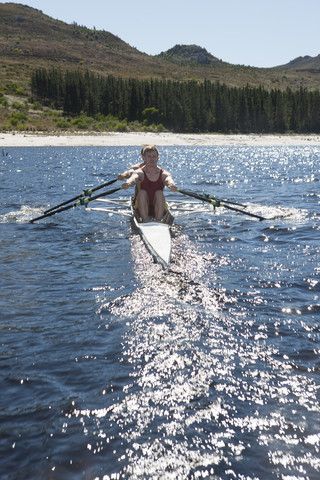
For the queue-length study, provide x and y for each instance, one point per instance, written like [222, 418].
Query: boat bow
[157, 238]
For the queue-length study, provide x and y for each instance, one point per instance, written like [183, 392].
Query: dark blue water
[112, 369]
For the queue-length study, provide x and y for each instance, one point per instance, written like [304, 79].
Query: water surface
[111, 368]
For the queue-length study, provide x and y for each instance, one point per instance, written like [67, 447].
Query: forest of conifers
[186, 106]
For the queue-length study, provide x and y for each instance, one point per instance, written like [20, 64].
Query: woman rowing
[150, 181]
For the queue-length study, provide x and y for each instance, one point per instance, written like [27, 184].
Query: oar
[82, 201]
[225, 201]
[85, 193]
[217, 203]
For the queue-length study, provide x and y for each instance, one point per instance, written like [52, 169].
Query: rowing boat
[156, 235]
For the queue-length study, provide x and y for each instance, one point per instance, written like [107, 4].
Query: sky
[259, 33]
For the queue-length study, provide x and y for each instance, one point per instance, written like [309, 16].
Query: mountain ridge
[302, 63]
[29, 38]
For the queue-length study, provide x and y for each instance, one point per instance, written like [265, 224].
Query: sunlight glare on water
[112, 368]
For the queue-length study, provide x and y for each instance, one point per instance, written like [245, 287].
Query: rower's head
[150, 152]
[149, 148]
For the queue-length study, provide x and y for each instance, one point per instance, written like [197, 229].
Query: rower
[150, 181]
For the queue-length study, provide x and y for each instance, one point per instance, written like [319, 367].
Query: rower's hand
[125, 186]
[120, 177]
[173, 188]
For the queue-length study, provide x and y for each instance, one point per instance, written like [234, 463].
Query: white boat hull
[157, 238]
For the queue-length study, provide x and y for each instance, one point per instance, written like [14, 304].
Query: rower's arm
[168, 181]
[128, 173]
[136, 177]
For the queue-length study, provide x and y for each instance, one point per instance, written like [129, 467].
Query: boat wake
[171, 319]
[159, 292]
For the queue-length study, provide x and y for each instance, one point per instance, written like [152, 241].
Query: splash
[24, 215]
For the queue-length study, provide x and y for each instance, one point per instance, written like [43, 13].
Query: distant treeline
[186, 106]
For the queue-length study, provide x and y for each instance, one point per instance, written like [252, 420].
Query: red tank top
[150, 187]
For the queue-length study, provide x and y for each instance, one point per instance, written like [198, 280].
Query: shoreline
[159, 139]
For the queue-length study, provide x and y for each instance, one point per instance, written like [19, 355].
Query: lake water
[111, 368]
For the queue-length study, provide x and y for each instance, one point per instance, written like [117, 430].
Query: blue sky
[260, 33]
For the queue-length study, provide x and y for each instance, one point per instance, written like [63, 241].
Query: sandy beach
[160, 139]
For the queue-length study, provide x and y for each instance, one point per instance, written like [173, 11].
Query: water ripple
[111, 368]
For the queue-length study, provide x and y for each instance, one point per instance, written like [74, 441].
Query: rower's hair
[149, 148]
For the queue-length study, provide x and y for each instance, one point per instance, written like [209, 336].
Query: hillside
[29, 38]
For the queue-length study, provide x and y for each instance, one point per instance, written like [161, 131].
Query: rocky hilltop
[192, 54]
